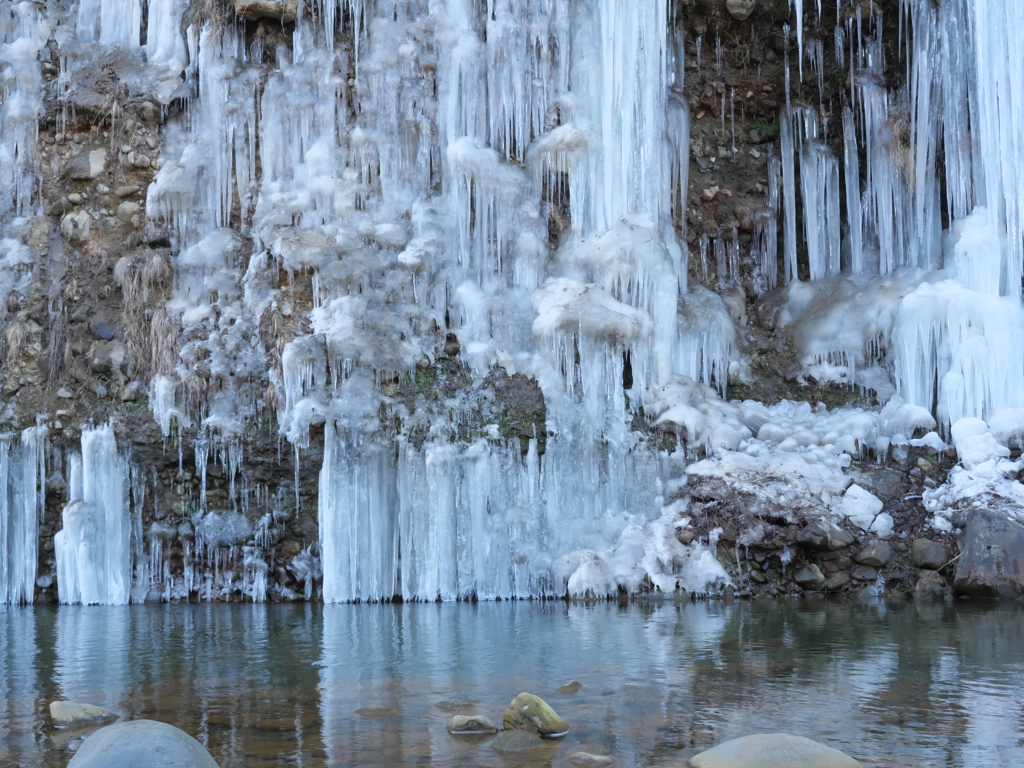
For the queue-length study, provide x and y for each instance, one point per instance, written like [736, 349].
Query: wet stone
[588, 760]
[471, 724]
[571, 687]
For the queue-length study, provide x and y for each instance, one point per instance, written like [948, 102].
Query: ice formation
[515, 174]
[22, 482]
[93, 546]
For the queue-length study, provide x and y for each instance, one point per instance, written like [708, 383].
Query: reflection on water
[266, 685]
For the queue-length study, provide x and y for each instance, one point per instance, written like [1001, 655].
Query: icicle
[22, 488]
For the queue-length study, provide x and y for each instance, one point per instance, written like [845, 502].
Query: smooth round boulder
[773, 750]
[135, 743]
[590, 760]
[531, 713]
[471, 724]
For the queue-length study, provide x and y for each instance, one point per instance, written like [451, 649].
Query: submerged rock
[136, 743]
[571, 687]
[455, 704]
[517, 741]
[772, 750]
[376, 712]
[991, 560]
[68, 713]
[931, 586]
[471, 724]
[589, 760]
[528, 712]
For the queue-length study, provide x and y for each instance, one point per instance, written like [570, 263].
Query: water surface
[277, 685]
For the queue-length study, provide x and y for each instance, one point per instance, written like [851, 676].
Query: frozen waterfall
[360, 219]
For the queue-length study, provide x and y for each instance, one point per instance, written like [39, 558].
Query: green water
[265, 685]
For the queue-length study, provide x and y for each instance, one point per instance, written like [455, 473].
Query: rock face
[138, 743]
[773, 750]
[925, 553]
[991, 560]
[469, 724]
[531, 713]
[70, 713]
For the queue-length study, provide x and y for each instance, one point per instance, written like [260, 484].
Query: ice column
[22, 487]
[93, 547]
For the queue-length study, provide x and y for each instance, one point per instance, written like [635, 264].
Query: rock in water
[991, 560]
[67, 713]
[773, 750]
[375, 712]
[516, 741]
[531, 713]
[471, 724]
[571, 687]
[137, 743]
[588, 760]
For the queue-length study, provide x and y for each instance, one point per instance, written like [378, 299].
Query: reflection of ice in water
[18, 683]
[94, 654]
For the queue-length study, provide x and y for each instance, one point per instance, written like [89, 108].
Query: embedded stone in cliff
[991, 560]
[773, 750]
[528, 712]
[928, 554]
[875, 554]
[68, 713]
[101, 329]
[76, 225]
[810, 578]
[141, 742]
[284, 11]
[88, 165]
[471, 724]
[108, 357]
[740, 9]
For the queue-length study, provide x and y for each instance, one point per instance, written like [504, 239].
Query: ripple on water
[364, 685]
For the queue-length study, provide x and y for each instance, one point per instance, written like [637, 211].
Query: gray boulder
[136, 743]
[773, 750]
[928, 554]
[991, 562]
[71, 713]
[875, 554]
[590, 760]
[810, 578]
